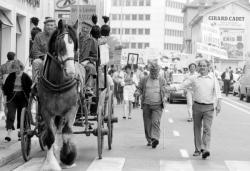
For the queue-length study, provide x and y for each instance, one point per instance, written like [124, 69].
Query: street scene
[124, 85]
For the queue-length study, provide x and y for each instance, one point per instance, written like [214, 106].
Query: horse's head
[63, 46]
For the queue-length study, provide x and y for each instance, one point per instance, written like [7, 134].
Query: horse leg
[50, 162]
[68, 151]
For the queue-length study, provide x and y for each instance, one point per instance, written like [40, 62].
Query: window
[147, 31]
[147, 16]
[141, 2]
[148, 2]
[146, 45]
[134, 17]
[141, 16]
[139, 45]
[119, 16]
[127, 16]
[134, 2]
[126, 45]
[127, 30]
[113, 31]
[140, 31]
[114, 17]
[128, 2]
[133, 45]
[134, 31]
[119, 31]
[114, 3]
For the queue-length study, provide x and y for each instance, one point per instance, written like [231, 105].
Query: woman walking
[17, 88]
[128, 92]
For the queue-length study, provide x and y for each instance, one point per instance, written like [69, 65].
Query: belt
[203, 103]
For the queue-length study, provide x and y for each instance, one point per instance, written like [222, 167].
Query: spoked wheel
[110, 112]
[25, 129]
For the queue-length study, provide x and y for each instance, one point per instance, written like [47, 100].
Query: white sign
[210, 35]
[226, 21]
[82, 13]
[104, 54]
[211, 51]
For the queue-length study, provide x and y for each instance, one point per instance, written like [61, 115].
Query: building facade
[231, 18]
[15, 25]
[139, 24]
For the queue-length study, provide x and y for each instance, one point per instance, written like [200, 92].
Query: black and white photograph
[124, 85]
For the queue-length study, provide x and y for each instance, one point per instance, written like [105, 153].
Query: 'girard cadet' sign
[226, 21]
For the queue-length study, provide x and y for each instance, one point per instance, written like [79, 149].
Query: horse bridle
[58, 59]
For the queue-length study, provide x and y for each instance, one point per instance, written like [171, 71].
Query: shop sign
[211, 51]
[210, 35]
[34, 3]
[233, 42]
[66, 4]
[226, 21]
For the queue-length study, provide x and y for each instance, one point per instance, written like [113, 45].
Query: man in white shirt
[206, 92]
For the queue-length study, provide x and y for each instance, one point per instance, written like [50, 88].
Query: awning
[18, 26]
[5, 21]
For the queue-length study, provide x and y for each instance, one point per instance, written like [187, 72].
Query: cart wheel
[100, 128]
[110, 112]
[25, 128]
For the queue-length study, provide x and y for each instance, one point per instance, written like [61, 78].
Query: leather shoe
[155, 142]
[205, 154]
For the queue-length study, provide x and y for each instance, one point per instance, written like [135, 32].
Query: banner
[233, 43]
[210, 35]
[211, 51]
[82, 13]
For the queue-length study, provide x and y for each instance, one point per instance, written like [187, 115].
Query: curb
[10, 153]
[13, 151]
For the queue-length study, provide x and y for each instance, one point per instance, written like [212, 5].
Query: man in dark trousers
[227, 77]
[152, 90]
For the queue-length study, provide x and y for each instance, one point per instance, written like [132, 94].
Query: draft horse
[58, 98]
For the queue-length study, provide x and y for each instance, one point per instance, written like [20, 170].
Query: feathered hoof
[50, 167]
[64, 166]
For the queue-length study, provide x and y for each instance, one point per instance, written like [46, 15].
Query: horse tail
[68, 151]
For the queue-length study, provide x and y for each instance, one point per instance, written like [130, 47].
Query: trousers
[202, 116]
[15, 106]
[152, 119]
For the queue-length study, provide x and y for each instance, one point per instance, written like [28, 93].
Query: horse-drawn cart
[60, 105]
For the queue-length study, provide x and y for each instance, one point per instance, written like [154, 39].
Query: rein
[53, 88]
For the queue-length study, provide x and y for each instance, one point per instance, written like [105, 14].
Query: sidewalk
[11, 150]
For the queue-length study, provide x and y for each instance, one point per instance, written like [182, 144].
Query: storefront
[15, 25]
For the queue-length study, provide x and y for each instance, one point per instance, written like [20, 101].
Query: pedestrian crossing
[119, 164]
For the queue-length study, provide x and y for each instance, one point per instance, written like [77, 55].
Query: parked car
[244, 88]
[179, 95]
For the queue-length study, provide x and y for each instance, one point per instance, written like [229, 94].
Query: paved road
[230, 146]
